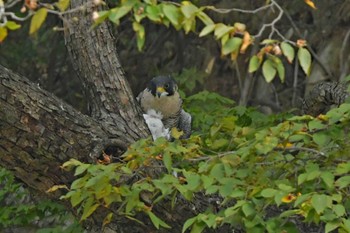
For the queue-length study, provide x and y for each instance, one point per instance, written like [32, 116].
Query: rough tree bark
[39, 132]
[323, 96]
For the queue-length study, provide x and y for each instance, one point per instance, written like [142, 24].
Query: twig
[272, 24]
[293, 148]
[225, 11]
[210, 157]
[314, 55]
[10, 4]
[15, 17]
[343, 64]
[295, 81]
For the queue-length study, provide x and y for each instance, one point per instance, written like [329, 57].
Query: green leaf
[189, 24]
[316, 124]
[204, 18]
[193, 180]
[269, 41]
[189, 10]
[286, 188]
[71, 163]
[198, 227]
[289, 213]
[157, 222]
[248, 209]
[88, 211]
[343, 182]
[206, 30]
[218, 171]
[301, 199]
[330, 226]
[140, 34]
[288, 51]
[189, 222]
[222, 29]
[342, 168]
[62, 5]
[254, 64]
[321, 138]
[339, 210]
[167, 162]
[304, 57]
[153, 13]
[172, 13]
[80, 169]
[319, 202]
[280, 70]
[269, 70]
[107, 219]
[37, 20]
[302, 178]
[346, 223]
[232, 45]
[12, 25]
[118, 12]
[328, 179]
[76, 198]
[269, 192]
[3, 34]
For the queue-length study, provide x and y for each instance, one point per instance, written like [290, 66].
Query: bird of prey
[161, 96]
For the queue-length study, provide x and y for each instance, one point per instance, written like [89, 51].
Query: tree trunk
[39, 132]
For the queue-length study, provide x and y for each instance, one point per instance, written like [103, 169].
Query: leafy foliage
[234, 39]
[267, 172]
[17, 211]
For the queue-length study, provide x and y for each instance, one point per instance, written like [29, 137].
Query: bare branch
[272, 24]
[225, 11]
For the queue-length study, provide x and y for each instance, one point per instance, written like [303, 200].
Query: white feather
[155, 124]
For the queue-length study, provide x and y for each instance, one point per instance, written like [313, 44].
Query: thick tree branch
[95, 59]
[38, 132]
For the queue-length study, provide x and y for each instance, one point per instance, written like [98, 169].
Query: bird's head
[162, 86]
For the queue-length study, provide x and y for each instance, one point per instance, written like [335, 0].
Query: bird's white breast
[168, 106]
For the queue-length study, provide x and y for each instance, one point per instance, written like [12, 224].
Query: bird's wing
[185, 123]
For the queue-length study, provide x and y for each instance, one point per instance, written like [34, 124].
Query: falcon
[162, 97]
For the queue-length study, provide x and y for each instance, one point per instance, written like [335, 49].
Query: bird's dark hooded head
[162, 86]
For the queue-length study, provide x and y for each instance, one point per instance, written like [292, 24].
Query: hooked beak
[160, 91]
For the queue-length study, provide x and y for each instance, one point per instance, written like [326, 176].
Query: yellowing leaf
[56, 187]
[175, 133]
[310, 3]
[88, 210]
[140, 34]
[3, 34]
[63, 4]
[37, 20]
[289, 198]
[107, 219]
[246, 42]
[12, 25]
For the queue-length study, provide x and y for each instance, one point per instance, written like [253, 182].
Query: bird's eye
[166, 85]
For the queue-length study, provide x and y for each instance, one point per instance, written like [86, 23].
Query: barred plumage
[161, 96]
